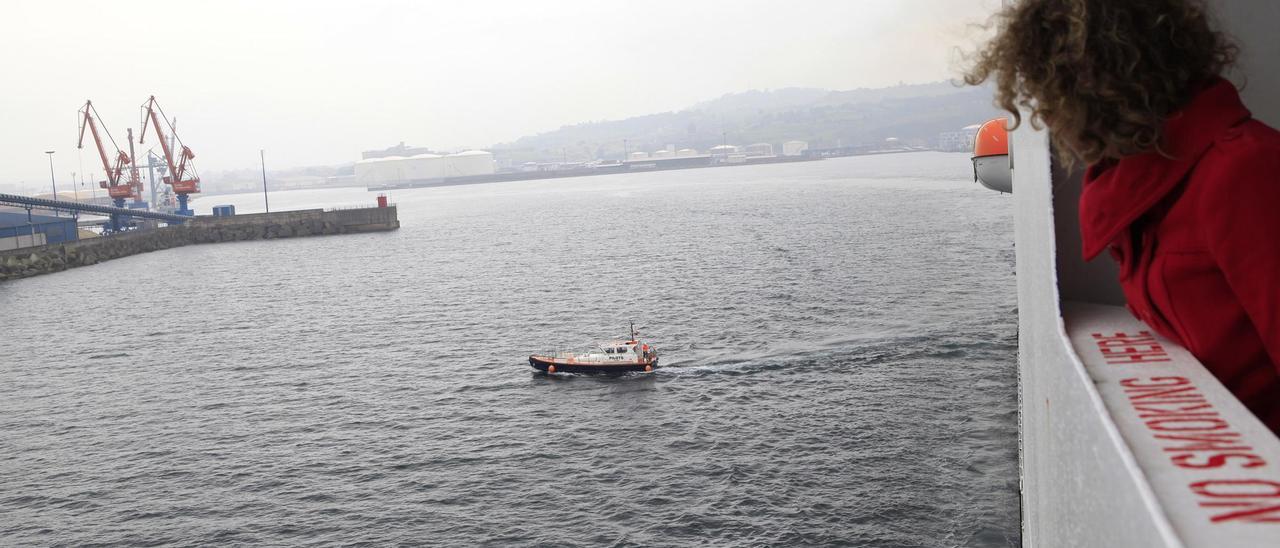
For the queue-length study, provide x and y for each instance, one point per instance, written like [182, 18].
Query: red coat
[1197, 236]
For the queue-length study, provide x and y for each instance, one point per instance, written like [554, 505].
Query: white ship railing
[1096, 468]
[1126, 440]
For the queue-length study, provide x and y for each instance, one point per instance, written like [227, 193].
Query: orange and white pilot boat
[608, 357]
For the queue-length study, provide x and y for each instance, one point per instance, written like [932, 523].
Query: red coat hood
[1117, 193]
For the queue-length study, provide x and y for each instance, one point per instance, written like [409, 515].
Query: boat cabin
[624, 350]
[618, 348]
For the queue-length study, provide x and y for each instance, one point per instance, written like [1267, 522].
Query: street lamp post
[53, 180]
[262, 155]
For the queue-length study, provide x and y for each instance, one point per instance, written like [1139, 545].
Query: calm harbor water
[838, 341]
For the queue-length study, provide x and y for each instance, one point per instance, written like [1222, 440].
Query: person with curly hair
[1182, 185]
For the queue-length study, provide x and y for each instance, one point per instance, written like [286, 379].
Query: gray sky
[317, 82]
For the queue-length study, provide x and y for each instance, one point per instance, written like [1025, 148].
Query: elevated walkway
[78, 207]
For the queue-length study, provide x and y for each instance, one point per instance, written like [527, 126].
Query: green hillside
[914, 114]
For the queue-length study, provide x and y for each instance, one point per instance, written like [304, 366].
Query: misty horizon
[319, 87]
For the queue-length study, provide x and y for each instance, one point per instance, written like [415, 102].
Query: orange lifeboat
[991, 166]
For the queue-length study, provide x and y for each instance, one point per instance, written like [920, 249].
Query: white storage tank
[469, 163]
[380, 170]
[424, 167]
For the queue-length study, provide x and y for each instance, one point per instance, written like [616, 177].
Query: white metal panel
[424, 167]
[1214, 467]
[22, 240]
[469, 163]
[1080, 484]
[380, 170]
[1253, 24]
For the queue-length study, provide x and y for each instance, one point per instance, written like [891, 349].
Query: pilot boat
[607, 357]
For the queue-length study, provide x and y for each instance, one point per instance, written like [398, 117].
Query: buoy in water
[551, 369]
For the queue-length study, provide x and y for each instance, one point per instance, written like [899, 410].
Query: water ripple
[838, 346]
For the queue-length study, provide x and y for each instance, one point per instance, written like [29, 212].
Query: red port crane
[119, 191]
[181, 176]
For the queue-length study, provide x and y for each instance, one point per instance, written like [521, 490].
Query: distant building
[958, 141]
[398, 150]
[723, 150]
[759, 149]
[423, 167]
[794, 148]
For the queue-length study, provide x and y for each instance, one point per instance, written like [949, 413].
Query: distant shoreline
[635, 166]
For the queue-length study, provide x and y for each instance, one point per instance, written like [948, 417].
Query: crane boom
[149, 115]
[183, 183]
[133, 188]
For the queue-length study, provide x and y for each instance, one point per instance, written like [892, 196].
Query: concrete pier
[33, 261]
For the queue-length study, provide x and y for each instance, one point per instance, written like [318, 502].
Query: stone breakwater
[33, 261]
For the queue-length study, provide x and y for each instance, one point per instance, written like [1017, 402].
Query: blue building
[17, 230]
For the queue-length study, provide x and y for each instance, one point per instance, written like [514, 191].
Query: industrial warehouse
[423, 167]
[21, 228]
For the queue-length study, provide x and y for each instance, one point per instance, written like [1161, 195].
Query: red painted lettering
[1196, 437]
[1122, 348]
[1138, 358]
[1184, 390]
[1114, 352]
[1153, 410]
[1142, 335]
[1180, 424]
[1248, 488]
[1243, 495]
[1205, 441]
[1155, 382]
[1217, 460]
[1253, 512]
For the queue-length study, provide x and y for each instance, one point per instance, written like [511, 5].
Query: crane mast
[89, 120]
[183, 183]
[118, 191]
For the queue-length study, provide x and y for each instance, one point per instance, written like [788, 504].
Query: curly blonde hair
[1102, 75]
